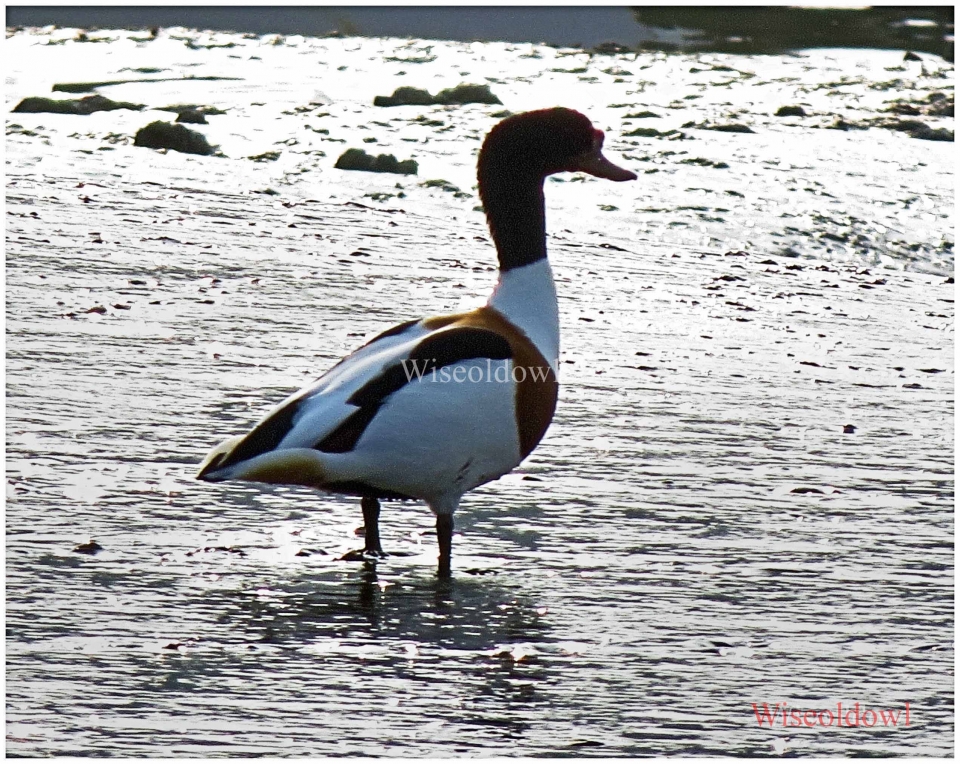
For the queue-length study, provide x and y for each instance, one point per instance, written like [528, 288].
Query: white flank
[437, 438]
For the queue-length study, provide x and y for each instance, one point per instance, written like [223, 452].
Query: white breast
[527, 297]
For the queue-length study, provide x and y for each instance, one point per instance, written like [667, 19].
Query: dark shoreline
[735, 29]
[766, 29]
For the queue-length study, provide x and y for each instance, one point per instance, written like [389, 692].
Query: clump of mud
[790, 111]
[935, 105]
[405, 96]
[165, 135]
[358, 159]
[179, 108]
[461, 94]
[192, 116]
[80, 106]
[916, 129]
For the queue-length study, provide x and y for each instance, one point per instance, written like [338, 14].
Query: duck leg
[371, 532]
[371, 526]
[445, 540]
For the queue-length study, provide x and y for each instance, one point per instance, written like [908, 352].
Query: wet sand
[697, 531]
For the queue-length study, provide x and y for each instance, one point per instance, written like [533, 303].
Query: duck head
[535, 144]
[516, 157]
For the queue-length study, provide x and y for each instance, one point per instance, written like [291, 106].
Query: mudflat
[746, 495]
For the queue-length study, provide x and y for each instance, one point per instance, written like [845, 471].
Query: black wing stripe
[377, 389]
[451, 346]
[440, 349]
[345, 436]
[265, 437]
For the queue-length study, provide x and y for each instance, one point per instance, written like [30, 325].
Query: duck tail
[284, 466]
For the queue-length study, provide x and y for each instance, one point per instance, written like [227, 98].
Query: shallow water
[647, 575]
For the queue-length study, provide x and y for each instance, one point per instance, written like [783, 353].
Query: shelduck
[435, 407]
